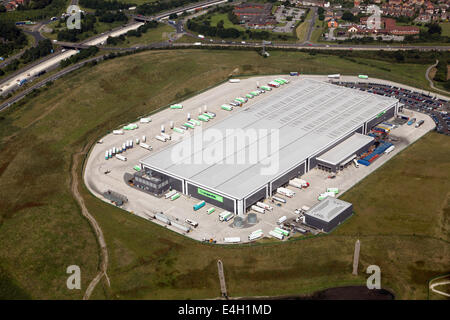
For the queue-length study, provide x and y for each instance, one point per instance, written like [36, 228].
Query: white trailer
[232, 240]
[144, 138]
[286, 192]
[145, 120]
[118, 156]
[295, 184]
[160, 138]
[256, 231]
[276, 235]
[167, 136]
[117, 132]
[225, 216]
[170, 193]
[192, 223]
[279, 199]
[281, 220]
[162, 218]
[391, 148]
[254, 236]
[301, 181]
[258, 209]
[334, 76]
[264, 206]
[180, 226]
[235, 80]
[146, 146]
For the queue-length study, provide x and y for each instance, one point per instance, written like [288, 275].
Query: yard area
[401, 210]
[226, 22]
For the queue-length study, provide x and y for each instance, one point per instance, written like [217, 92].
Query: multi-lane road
[50, 62]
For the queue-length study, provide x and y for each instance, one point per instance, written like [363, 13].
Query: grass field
[302, 29]
[42, 232]
[152, 35]
[226, 22]
[318, 30]
[445, 28]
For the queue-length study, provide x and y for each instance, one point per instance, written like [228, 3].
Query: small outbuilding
[328, 214]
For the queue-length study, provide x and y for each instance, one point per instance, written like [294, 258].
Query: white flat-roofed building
[328, 213]
[341, 155]
[305, 118]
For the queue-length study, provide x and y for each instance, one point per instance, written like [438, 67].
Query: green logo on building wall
[209, 195]
[380, 114]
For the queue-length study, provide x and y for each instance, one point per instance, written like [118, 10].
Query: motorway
[51, 61]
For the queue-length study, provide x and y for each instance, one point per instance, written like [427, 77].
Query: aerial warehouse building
[307, 118]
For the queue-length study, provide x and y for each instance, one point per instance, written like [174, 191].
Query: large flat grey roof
[327, 209]
[308, 115]
[345, 149]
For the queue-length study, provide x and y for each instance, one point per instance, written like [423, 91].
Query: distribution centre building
[303, 120]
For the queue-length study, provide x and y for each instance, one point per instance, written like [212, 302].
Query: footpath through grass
[42, 231]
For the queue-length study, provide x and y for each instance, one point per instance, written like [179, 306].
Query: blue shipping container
[199, 205]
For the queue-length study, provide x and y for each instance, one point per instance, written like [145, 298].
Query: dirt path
[427, 75]
[440, 283]
[94, 224]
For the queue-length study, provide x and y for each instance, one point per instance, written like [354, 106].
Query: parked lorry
[391, 148]
[281, 220]
[282, 231]
[199, 205]
[170, 194]
[285, 192]
[175, 196]
[160, 138]
[180, 226]
[418, 124]
[192, 222]
[145, 120]
[145, 146]
[410, 122]
[255, 235]
[277, 235]
[258, 209]
[264, 206]
[120, 157]
[334, 76]
[232, 240]
[279, 199]
[226, 216]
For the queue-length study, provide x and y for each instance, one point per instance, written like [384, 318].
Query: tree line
[43, 48]
[83, 54]
[105, 5]
[11, 38]
[158, 6]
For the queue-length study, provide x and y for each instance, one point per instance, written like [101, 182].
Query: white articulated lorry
[264, 206]
[258, 209]
[286, 192]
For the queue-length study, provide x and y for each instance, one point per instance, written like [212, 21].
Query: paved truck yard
[101, 175]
